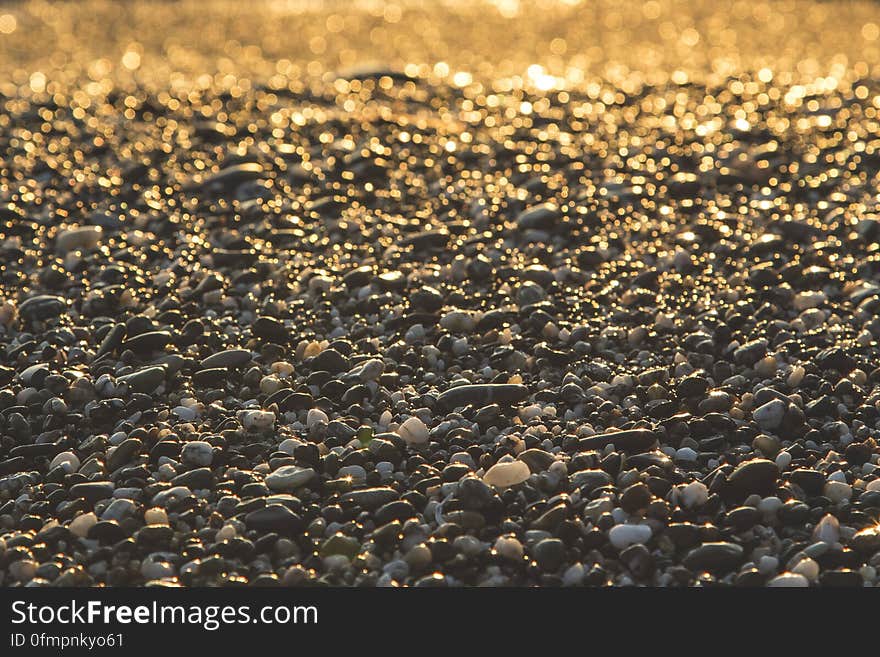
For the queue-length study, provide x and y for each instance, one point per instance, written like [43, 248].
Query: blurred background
[546, 42]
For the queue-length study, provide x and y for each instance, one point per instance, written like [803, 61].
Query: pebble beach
[440, 294]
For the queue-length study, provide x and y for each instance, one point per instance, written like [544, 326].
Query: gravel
[292, 324]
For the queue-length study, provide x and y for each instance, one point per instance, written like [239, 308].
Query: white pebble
[67, 460]
[413, 431]
[288, 445]
[186, 414]
[289, 477]
[837, 491]
[783, 460]
[622, 536]
[256, 420]
[315, 417]
[827, 529]
[530, 412]
[504, 475]
[694, 494]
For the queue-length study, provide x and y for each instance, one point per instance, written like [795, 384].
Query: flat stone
[631, 441]
[289, 477]
[482, 394]
[622, 536]
[92, 491]
[371, 498]
[145, 343]
[41, 307]
[145, 380]
[538, 460]
[274, 518]
[720, 557]
[504, 475]
[230, 358]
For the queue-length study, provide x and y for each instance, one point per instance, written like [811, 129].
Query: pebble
[79, 237]
[770, 415]
[155, 517]
[754, 476]
[509, 548]
[197, 453]
[827, 529]
[716, 557]
[539, 217]
[273, 518]
[809, 299]
[549, 554]
[316, 417]
[694, 494]
[330, 360]
[808, 568]
[622, 536]
[230, 358]
[482, 395]
[289, 478]
[838, 492]
[67, 460]
[413, 431]
[257, 420]
[458, 321]
[92, 491]
[372, 498]
[153, 569]
[866, 540]
[370, 370]
[505, 475]
[145, 380]
[789, 580]
[415, 327]
[82, 524]
[119, 509]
